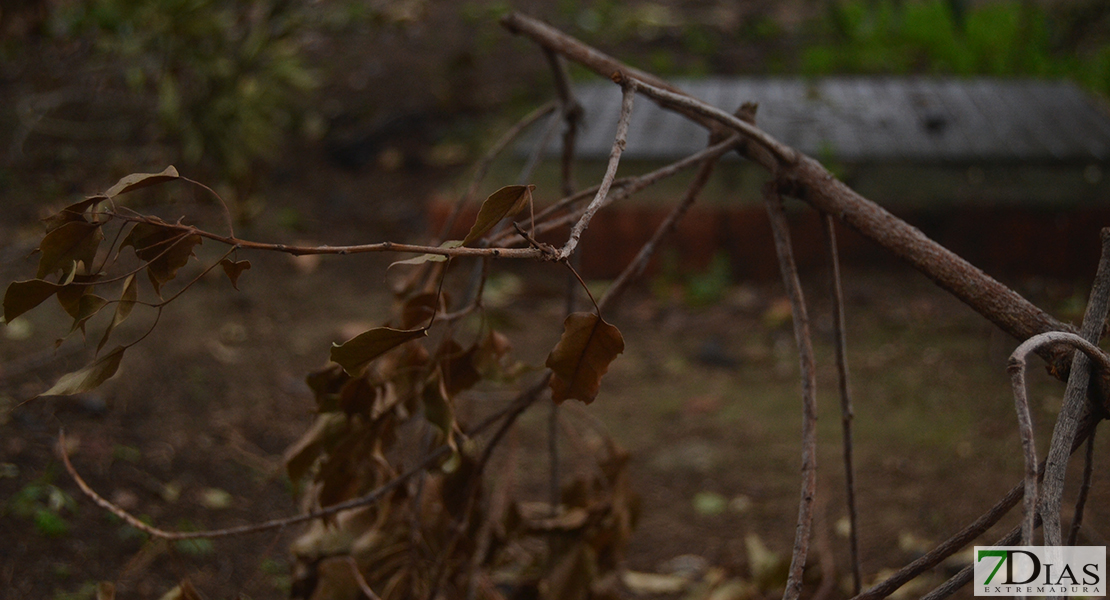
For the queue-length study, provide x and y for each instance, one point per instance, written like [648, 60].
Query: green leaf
[424, 258]
[127, 301]
[357, 352]
[22, 296]
[505, 202]
[137, 181]
[234, 269]
[582, 357]
[76, 241]
[163, 248]
[88, 378]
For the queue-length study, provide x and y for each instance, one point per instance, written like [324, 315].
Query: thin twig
[525, 400]
[296, 250]
[486, 162]
[525, 175]
[668, 98]
[513, 410]
[1075, 399]
[814, 184]
[360, 580]
[846, 412]
[809, 389]
[963, 537]
[635, 269]
[962, 578]
[1084, 491]
[628, 95]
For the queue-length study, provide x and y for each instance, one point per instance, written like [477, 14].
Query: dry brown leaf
[135, 181]
[73, 242]
[234, 268]
[357, 352]
[22, 296]
[165, 250]
[88, 378]
[505, 202]
[582, 357]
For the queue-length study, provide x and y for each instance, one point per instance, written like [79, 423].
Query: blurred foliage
[228, 82]
[44, 504]
[230, 78]
[950, 37]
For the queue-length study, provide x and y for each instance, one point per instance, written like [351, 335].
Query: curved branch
[511, 412]
[1021, 402]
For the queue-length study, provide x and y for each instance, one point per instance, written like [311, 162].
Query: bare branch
[1075, 398]
[1084, 491]
[846, 412]
[628, 95]
[964, 536]
[672, 99]
[807, 180]
[486, 162]
[1025, 424]
[510, 413]
[634, 269]
[809, 389]
[527, 253]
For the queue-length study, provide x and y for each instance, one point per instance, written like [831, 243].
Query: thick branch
[1075, 398]
[1025, 421]
[807, 180]
[964, 536]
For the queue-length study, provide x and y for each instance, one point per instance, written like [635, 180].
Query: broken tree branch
[807, 180]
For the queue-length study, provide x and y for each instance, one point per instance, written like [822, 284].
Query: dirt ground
[190, 434]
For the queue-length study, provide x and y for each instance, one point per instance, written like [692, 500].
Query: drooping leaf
[582, 357]
[76, 288]
[183, 591]
[88, 378]
[326, 384]
[505, 202]
[357, 397]
[137, 181]
[234, 269]
[457, 367]
[105, 590]
[419, 309]
[490, 357]
[89, 305]
[73, 213]
[424, 258]
[22, 296]
[357, 352]
[126, 302]
[76, 241]
[164, 249]
[300, 457]
[439, 411]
